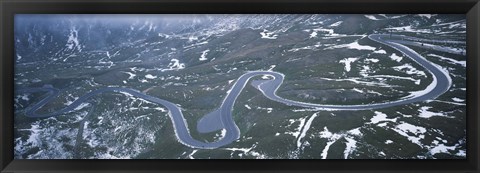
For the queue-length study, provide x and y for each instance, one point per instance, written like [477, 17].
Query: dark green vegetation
[169, 59]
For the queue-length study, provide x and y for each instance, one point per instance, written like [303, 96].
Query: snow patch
[268, 35]
[458, 99]
[426, 15]
[305, 129]
[358, 81]
[409, 29]
[441, 149]
[272, 67]
[355, 132]
[296, 133]
[395, 57]
[347, 62]
[332, 138]
[424, 113]
[371, 17]
[357, 90]
[175, 65]
[453, 61]
[81, 106]
[131, 75]
[336, 23]
[371, 60]
[380, 52]
[190, 156]
[149, 76]
[379, 117]
[203, 56]
[353, 45]
[34, 137]
[72, 42]
[351, 145]
[404, 129]
[409, 69]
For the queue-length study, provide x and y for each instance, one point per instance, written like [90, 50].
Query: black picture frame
[8, 8]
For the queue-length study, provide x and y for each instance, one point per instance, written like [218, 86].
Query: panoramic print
[240, 86]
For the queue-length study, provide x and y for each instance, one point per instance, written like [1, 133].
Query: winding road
[441, 83]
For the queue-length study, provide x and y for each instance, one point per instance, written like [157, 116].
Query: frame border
[10, 7]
